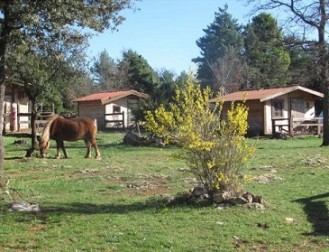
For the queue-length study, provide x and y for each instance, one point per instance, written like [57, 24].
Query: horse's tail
[46, 132]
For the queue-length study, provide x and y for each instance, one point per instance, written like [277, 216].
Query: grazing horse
[60, 129]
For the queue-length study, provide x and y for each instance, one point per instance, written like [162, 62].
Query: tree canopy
[265, 51]
[222, 37]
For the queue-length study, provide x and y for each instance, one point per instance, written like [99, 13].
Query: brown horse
[60, 129]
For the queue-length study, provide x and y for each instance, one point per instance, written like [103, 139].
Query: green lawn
[116, 203]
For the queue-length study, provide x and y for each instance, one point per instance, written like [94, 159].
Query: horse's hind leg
[88, 144]
[64, 150]
[94, 144]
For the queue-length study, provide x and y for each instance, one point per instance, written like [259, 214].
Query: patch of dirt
[36, 228]
[154, 185]
[267, 178]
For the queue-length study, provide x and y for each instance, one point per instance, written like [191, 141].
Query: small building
[283, 109]
[110, 109]
[16, 102]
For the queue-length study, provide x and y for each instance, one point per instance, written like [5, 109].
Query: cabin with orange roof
[110, 109]
[288, 110]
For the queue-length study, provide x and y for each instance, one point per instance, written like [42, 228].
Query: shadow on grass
[13, 158]
[317, 213]
[88, 208]
[153, 204]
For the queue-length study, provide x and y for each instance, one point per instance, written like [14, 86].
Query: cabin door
[297, 108]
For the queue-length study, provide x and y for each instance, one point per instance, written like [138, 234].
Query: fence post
[291, 126]
[123, 120]
[319, 126]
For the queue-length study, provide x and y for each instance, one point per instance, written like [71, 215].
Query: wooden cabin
[284, 109]
[110, 109]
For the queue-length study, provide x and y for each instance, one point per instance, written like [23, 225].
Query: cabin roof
[108, 97]
[264, 94]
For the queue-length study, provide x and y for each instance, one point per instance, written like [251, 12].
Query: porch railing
[117, 120]
[25, 118]
[297, 126]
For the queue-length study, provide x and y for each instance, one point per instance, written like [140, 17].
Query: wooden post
[319, 126]
[123, 120]
[273, 127]
[291, 126]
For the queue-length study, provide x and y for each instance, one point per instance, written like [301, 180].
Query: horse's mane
[46, 132]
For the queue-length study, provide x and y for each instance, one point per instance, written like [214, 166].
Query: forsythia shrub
[216, 147]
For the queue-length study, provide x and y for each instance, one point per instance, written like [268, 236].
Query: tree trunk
[323, 62]
[2, 148]
[4, 34]
[34, 137]
[325, 140]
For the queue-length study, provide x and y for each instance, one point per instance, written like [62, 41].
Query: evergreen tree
[303, 60]
[222, 37]
[136, 73]
[105, 72]
[264, 52]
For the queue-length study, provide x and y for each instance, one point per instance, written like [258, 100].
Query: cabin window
[116, 109]
[278, 108]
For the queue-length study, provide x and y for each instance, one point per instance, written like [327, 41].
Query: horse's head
[44, 146]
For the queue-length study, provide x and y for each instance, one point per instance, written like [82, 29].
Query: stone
[198, 191]
[221, 197]
[23, 207]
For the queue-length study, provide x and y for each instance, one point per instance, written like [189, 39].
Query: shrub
[215, 147]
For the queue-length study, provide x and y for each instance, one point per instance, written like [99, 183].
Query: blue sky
[164, 32]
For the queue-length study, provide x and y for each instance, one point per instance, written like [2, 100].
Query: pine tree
[221, 38]
[264, 52]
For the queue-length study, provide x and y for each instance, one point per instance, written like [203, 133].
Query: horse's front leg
[58, 147]
[88, 144]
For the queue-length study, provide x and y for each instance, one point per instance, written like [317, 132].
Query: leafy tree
[222, 37]
[265, 51]
[44, 73]
[227, 72]
[314, 16]
[45, 22]
[216, 148]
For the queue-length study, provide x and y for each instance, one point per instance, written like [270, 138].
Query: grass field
[116, 203]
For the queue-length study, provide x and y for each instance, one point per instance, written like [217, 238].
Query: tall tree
[312, 15]
[302, 60]
[105, 72]
[44, 71]
[265, 51]
[222, 37]
[167, 86]
[47, 21]
[136, 72]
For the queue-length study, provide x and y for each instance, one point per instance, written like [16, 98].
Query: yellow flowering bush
[216, 147]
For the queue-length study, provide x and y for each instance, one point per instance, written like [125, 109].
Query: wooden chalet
[110, 109]
[284, 109]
